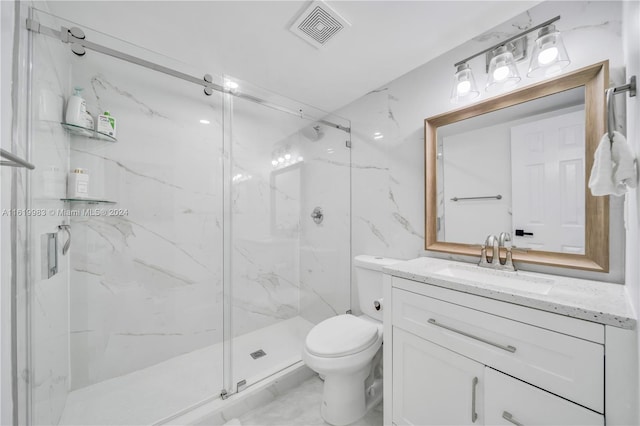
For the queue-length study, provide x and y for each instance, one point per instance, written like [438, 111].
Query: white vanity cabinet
[454, 358]
[433, 385]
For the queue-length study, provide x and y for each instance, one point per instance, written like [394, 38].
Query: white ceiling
[250, 40]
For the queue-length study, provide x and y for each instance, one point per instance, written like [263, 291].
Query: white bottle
[106, 124]
[78, 184]
[76, 109]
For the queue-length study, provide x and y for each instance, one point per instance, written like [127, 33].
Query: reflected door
[547, 163]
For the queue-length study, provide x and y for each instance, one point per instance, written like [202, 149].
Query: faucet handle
[483, 256]
[508, 262]
[504, 237]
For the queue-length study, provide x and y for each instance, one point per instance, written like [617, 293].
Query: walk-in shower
[195, 269]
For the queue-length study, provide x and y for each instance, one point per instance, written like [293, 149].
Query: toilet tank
[369, 282]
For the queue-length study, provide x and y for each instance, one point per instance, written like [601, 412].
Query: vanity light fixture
[503, 73]
[464, 85]
[549, 56]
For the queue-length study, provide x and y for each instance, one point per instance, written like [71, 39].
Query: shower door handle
[67, 244]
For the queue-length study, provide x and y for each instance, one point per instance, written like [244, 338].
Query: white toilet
[347, 350]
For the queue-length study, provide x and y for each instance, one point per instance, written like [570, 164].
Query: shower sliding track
[76, 38]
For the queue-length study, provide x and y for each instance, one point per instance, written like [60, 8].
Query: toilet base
[347, 398]
[343, 398]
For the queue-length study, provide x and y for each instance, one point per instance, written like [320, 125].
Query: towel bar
[611, 118]
[497, 197]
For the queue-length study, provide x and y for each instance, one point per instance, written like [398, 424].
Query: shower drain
[257, 354]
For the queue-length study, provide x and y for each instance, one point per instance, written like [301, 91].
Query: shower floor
[147, 396]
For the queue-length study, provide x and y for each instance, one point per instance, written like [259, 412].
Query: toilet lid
[341, 335]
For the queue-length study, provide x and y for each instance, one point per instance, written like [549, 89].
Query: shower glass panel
[130, 328]
[288, 270]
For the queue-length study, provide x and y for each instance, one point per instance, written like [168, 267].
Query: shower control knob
[377, 305]
[317, 215]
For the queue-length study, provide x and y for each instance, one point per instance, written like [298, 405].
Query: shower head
[314, 132]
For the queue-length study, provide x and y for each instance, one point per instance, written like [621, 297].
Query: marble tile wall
[283, 264]
[325, 253]
[146, 280]
[388, 172]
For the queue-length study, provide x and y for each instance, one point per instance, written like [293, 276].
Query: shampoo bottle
[106, 124]
[76, 113]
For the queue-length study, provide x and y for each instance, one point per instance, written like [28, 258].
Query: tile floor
[300, 406]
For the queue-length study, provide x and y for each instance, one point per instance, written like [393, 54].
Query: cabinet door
[434, 386]
[509, 401]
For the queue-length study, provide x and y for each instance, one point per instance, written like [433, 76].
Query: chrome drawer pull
[508, 417]
[474, 415]
[508, 348]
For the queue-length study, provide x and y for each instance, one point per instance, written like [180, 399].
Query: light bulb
[280, 160]
[501, 73]
[464, 87]
[547, 56]
[287, 156]
[274, 163]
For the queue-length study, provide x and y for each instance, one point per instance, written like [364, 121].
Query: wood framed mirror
[533, 133]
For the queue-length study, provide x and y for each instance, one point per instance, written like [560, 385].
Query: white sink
[502, 279]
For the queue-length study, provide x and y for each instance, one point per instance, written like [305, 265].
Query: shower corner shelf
[87, 200]
[90, 133]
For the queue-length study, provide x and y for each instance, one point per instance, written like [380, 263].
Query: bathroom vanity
[466, 345]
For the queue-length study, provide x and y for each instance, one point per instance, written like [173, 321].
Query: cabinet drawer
[509, 401]
[567, 366]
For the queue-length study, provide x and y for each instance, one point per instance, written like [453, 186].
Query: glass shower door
[289, 223]
[129, 330]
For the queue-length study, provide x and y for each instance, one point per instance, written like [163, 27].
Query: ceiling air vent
[318, 24]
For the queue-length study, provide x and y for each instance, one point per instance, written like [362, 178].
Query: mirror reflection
[520, 170]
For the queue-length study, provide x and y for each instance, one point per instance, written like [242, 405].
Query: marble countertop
[595, 301]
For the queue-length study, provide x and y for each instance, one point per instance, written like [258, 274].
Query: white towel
[601, 179]
[614, 169]
[625, 174]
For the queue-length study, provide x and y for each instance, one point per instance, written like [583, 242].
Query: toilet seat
[340, 336]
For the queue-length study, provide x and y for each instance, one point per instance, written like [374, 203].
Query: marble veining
[406, 225]
[100, 81]
[375, 231]
[593, 301]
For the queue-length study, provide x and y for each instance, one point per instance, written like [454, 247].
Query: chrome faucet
[492, 242]
[508, 260]
[504, 236]
[496, 244]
